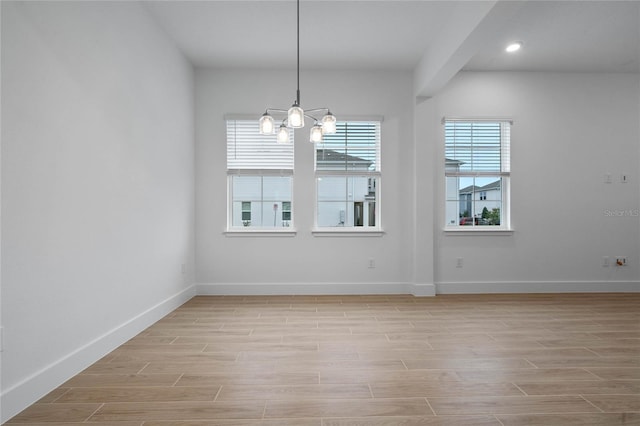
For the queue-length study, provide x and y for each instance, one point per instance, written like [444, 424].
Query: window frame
[232, 230]
[505, 183]
[351, 231]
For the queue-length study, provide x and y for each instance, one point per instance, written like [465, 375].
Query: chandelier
[293, 118]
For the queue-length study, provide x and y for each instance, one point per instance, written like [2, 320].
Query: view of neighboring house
[344, 200]
[471, 200]
[480, 203]
[265, 201]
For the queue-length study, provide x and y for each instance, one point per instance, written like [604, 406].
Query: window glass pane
[246, 188]
[346, 201]
[276, 188]
[479, 200]
[332, 188]
[332, 213]
[286, 212]
[452, 213]
[260, 201]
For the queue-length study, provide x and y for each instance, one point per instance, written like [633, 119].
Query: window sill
[260, 233]
[478, 231]
[346, 232]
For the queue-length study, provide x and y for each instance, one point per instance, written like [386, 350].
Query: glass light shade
[283, 134]
[316, 134]
[296, 117]
[514, 47]
[329, 124]
[266, 124]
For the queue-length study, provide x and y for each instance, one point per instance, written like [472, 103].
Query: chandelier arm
[275, 110]
[317, 109]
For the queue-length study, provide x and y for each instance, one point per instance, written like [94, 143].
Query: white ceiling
[579, 36]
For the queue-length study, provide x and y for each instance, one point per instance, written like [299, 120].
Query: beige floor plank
[618, 351]
[116, 367]
[616, 403]
[626, 361]
[270, 422]
[546, 375]
[347, 407]
[162, 347]
[576, 419]
[259, 346]
[250, 378]
[383, 344]
[470, 363]
[146, 357]
[143, 394]
[53, 395]
[179, 411]
[510, 405]
[66, 423]
[109, 380]
[414, 421]
[296, 356]
[403, 389]
[55, 413]
[582, 387]
[615, 373]
[453, 375]
[235, 392]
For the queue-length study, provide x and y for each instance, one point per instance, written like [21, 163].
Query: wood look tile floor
[466, 360]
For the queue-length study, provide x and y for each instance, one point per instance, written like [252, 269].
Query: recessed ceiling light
[514, 47]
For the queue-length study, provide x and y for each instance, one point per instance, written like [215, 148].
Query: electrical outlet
[621, 260]
[183, 268]
[605, 260]
[459, 262]
[372, 263]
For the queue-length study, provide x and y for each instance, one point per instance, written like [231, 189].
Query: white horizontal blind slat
[478, 146]
[248, 149]
[354, 146]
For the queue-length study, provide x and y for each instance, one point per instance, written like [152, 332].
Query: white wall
[238, 264]
[569, 131]
[97, 186]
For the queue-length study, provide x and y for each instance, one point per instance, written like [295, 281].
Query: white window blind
[248, 149]
[481, 147]
[354, 147]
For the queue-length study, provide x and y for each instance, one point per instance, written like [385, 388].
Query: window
[260, 178]
[477, 172]
[286, 212]
[348, 177]
[246, 213]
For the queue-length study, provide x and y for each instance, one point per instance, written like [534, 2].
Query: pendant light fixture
[294, 116]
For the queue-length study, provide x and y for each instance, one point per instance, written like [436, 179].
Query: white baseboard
[25, 393]
[271, 289]
[538, 287]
